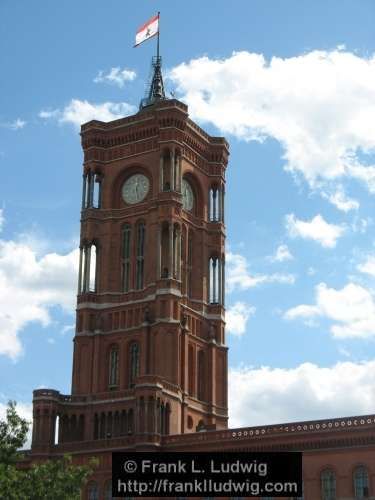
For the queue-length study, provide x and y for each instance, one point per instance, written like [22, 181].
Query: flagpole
[157, 48]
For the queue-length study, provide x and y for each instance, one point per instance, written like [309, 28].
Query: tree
[58, 479]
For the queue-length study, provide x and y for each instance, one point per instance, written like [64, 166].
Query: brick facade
[150, 358]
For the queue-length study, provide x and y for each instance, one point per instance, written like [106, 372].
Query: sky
[291, 85]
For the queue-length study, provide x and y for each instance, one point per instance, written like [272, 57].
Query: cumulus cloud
[236, 318]
[341, 200]
[14, 125]
[368, 266]
[282, 254]
[116, 76]
[351, 309]
[29, 287]
[239, 277]
[319, 106]
[78, 112]
[317, 229]
[266, 395]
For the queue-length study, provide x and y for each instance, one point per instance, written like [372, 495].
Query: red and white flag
[147, 30]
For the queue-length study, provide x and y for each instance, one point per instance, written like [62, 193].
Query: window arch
[328, 484]
[113, 366]
[361, 482]
[141, 234]
[133, 363]
[126, 257]
[93, 491]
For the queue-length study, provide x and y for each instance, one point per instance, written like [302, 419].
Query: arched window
[113, 367]
[93, 491]
[361, 483]
[141, 233]
[328, 485]
[134, 363]
[126, 256]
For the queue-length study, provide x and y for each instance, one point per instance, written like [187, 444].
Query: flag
[147, 30]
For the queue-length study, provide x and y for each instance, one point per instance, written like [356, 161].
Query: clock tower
[149, 350]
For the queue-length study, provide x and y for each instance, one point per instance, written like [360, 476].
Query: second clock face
[135, 189]
[187, 195]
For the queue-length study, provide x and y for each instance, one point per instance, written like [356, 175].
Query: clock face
[187, 196]
[135, 189]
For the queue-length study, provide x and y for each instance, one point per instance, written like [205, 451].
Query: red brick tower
[149, 349]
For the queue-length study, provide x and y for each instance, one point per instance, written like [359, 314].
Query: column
[222, 203]
[214, 275]
[179, 254]
[220, 214]
[173, 168]
[84, 191]
[171, 250]
[91, 192]
[214, 204]
[161, 173]
[223, 281]
[158, 256]
[87, 267]
[179, 169]
[80, 270]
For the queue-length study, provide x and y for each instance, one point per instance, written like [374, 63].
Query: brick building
[150, 358]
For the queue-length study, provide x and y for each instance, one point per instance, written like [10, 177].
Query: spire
[155, 88]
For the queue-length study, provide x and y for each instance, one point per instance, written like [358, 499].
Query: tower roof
[155, 88]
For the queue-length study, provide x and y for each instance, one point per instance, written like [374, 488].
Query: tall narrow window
[126, 252]
[93, 491]
[201, 375]
[361, 483]
[113, 367]
[93, 263]
[88, 272]
[134, 363]
[141, 232]
[215, 281]
[328, 485]
[189, 267]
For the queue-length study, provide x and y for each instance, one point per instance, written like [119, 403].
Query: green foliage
[58, 479]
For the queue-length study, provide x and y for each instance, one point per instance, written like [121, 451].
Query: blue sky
[291, 86]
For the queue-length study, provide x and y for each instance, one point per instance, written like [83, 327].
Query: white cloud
[116, 76]
[319, 106]
[14, 125]
[259, 396]
[24, 410]
[341, 200]
[78, 112]
[317, 229]
[282, 254]
[351, 309]
[236, 318]
[368, 267]
[29, 286]
[238, 276]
